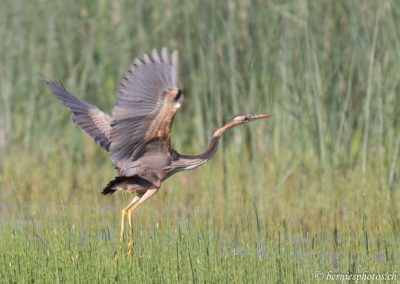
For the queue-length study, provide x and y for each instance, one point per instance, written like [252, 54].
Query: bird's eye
[178, 95]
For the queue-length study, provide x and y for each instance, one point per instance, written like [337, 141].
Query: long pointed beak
[252, 117]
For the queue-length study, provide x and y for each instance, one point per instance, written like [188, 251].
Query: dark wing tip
[53, 86]
[46, 82]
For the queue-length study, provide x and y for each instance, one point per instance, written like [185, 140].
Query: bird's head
[237, 120]
[242, 118]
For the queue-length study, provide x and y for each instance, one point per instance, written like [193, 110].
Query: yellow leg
[130, 243]
[123, 215]
[149, 193]
[132, 206]
[130, 213]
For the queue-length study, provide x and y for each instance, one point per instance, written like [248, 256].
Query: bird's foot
[130, 248]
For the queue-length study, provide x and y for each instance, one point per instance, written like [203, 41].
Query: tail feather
[112, 185]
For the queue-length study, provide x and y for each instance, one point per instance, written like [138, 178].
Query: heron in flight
[137, 135]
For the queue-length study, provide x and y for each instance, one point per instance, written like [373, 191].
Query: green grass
[315, 188]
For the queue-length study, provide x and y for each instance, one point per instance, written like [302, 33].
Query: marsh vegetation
[315, 188]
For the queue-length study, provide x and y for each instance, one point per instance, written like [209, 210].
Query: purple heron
[137, 135]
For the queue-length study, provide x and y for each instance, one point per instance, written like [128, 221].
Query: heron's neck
[197, 160]
[186, 162]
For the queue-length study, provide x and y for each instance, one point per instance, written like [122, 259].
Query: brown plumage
[138, 134]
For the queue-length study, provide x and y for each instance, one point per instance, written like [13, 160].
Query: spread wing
[145, 109]
[95, 122]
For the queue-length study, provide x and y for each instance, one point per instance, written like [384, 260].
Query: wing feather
[92, 120]
[141, 108]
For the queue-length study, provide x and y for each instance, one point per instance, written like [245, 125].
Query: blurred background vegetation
[314, 187]
[327, 71]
